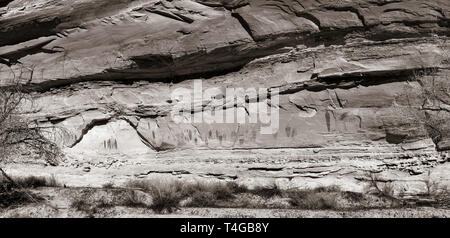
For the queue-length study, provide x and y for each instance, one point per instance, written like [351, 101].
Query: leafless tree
[381, 188]
[19, 134]
[426, 99]
[432, 110]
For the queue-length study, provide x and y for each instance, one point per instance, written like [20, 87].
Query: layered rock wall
[105, 72]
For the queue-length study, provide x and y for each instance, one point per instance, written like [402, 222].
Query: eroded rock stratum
[104, 70]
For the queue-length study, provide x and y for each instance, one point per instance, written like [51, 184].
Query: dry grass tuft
[314, 199]
[30, 182]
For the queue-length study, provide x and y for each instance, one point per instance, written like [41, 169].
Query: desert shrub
[108, 185]
[81, 205]
[147, 185]
[15, 192]
[90, 204]
[188, 189]
[166, 195]
[52, 182]
[132, 199]
[104, 204]
[164, 200]
[138, 184]
[36, 181]
[438, 193]
[19, 133]
[267, 192]
[382, 189]
[202, 199]
[30, 182]
[327, 189]
[17, 198]
[443, 197]
[237, 188]
[210, 194]
[433, 187]
[5, 185]
[388, 190]
[353, 196]
[424, 103]
[315, 199]
[221, 191]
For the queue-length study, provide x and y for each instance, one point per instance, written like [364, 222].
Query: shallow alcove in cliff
[114, 137]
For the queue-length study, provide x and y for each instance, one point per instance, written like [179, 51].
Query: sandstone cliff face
[105, 71]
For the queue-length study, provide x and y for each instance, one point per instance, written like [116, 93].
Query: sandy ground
[36, 211]
[58, 200]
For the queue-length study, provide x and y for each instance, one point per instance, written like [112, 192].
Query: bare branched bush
[315, 199]
[426, 99]
[18, 134]
[433, 112]
[379, 187]
[166, 195]
[432, 186]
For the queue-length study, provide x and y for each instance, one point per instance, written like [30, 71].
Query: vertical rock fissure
[244, 24]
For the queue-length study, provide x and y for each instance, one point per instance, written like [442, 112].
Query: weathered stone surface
[105, 70]
[110, 39]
